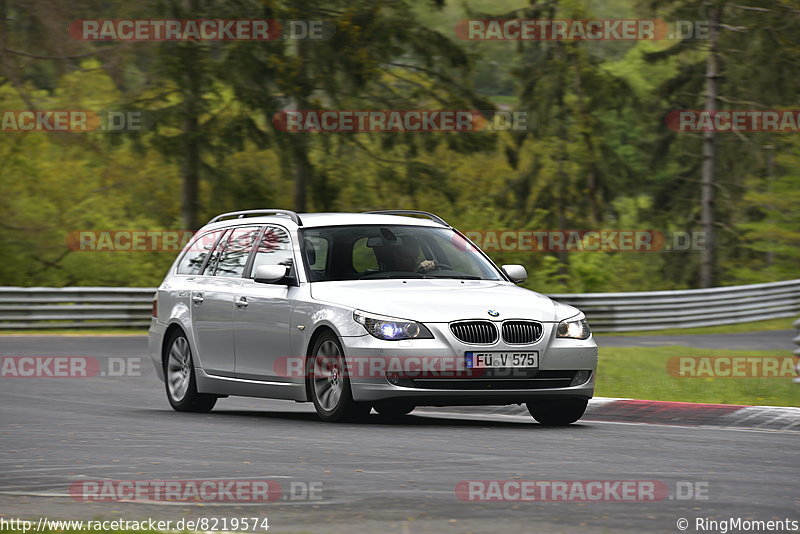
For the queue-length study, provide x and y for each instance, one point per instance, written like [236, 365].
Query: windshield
[376, 252]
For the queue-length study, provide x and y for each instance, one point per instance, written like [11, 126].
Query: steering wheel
[436, 267]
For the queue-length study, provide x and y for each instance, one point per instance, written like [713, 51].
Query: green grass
[757, 326]
[76, 332]
[641, 373]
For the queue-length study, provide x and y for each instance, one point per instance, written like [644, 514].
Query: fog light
[581, 377]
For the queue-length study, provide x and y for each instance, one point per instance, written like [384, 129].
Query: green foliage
[596, 156]
[770, 231]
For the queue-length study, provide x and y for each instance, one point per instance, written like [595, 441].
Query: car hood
[440, 301]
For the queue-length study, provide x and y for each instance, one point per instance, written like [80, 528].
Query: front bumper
[559, 362]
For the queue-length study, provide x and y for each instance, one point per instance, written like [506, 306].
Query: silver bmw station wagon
[352, 311]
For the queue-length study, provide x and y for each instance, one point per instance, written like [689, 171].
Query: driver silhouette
[404, 256]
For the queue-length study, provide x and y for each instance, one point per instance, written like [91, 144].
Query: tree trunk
[190, 169]
[302, 168]
[707, 255]
[592, 173]
[770, 148]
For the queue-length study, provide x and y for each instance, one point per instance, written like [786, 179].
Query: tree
[567, 164]
[747, 62]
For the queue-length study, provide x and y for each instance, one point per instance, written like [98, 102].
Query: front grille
[521, 332]
[475, 332]
[538, 380]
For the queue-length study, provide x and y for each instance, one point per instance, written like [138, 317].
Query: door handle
[240, 302]
[197, 298]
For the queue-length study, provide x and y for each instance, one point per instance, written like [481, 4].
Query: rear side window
[316, 249]
[237, 249]
[195, 256]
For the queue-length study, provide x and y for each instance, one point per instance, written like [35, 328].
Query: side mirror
[270, 274]
[516, 273]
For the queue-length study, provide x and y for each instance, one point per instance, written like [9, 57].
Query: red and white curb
[609, 409]
[691, 414]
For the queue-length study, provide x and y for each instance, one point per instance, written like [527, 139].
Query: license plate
[495, 360]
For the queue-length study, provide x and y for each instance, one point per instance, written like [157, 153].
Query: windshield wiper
[391, 276]
[457, 277]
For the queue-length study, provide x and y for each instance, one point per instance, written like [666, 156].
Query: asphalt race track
[375, 476]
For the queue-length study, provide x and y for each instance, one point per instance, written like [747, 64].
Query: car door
[212, 301]
[262, 314]
[194, 270]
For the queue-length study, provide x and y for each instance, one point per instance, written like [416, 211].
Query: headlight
[390, 328]
[574, 329]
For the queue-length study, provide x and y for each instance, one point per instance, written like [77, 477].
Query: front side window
[396, 251]
[238, 244]
[195, 256]
[275, 248]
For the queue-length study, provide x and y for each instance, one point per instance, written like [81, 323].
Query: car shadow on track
[410, 420]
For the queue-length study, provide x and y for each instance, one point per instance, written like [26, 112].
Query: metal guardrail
[117, 307]
[687, 308]
[797, 351]
[75, 307]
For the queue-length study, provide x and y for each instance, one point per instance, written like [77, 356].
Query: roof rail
[431, 216]
[252, 213]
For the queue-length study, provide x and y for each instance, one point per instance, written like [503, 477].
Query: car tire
[328, 382]
[179, 378]
[393, 409]
[557, 412]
